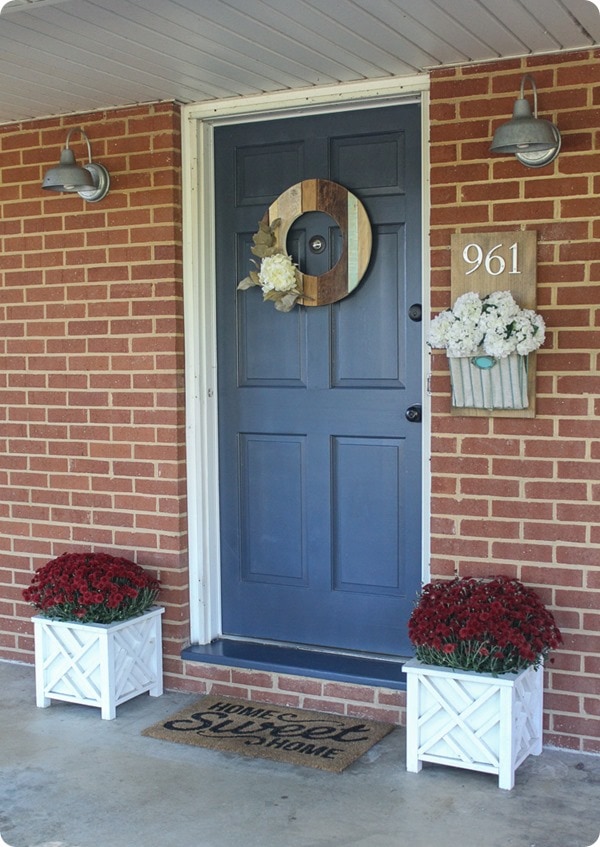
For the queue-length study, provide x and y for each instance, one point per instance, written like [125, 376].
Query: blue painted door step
[340, 667]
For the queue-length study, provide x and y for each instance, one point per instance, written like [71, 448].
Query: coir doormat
[297, 736]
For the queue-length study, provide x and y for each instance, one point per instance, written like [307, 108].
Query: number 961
[493, 261]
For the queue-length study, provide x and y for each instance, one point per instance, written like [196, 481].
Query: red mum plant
[487, 625]
[91, 588]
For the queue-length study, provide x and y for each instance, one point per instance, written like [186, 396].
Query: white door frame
[198, 122]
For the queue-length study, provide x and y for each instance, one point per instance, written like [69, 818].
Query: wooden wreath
[321, 195]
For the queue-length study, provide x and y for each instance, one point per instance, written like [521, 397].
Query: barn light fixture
[91, 181]
[534, 141]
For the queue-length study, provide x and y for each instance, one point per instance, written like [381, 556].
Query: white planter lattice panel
[100, 665]
[471, 720]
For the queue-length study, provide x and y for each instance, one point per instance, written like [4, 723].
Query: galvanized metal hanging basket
[486, 382]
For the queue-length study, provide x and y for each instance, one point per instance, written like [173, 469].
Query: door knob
[415, 313]
[413, 413]
[317, 244]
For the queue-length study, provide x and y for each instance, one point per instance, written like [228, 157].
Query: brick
[522, 509]
[490, 487]
[565, 361]
[562, 703]
[478, 192]
[300, 685]
[489, 529]
[558, 491]
[444, 485]
[590, 745]
[252, 678]
[443, 174]
[541, 448]
[561, 741]
[443, 526]
[591, 706]
[459, 547]
[558, 187]
[589, 727]
[580, 600]
[553, 531]
[591, 622]
[345, 691]
[578, 513]
[523, 468]
[463, 506]
[593, 578]
[521, 552]
[222, 689]
[452, 215]
[578, 470]
[459, 466]
[523, 211]
[490, 446]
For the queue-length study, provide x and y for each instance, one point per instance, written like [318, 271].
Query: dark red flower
[91, 587]
[497, 625]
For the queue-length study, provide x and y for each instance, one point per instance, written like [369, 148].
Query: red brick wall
[522, 496]
[91, 359]
[358, 701]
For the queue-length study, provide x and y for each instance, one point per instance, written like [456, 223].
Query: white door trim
[198, 122]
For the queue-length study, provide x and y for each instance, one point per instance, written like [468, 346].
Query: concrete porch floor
[70, 779]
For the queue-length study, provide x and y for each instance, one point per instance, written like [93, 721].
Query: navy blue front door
[320, 469]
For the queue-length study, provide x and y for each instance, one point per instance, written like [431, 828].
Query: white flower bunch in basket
[495, 323]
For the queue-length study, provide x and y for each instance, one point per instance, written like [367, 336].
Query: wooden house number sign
[497, 261]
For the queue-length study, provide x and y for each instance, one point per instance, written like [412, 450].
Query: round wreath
[280, 279]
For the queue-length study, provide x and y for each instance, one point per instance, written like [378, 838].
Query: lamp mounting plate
[101, 179]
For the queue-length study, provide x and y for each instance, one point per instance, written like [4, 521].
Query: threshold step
[360, 670]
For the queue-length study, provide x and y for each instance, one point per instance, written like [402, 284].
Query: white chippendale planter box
[100, 665]
[471, 720]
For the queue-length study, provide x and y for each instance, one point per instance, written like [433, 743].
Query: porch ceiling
[61, 56]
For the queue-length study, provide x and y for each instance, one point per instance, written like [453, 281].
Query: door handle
[413, 413]
[415, 313]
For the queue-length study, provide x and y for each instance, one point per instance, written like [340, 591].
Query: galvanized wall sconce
[91, 181]
[534, 141]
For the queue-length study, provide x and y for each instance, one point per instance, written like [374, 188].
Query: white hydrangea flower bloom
[496, 323]
[529, 332]
[277, 273]
[504, 304]
[496, 343]
[440, 327]
[468, 307]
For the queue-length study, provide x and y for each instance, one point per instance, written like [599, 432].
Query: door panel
[272, 500]
[366, 531]
[382, 362]
[319, 468]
